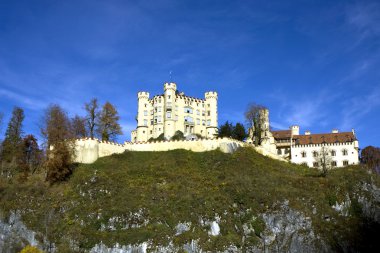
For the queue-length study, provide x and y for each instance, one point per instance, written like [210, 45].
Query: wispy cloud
[358, 107]
[23, 100]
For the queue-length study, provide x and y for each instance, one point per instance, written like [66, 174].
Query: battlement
[170, 86]
[211, 94]
[143, 94]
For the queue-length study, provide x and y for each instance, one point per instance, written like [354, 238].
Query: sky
[312, 63]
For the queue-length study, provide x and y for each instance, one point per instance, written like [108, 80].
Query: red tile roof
[324, 138]
[282, 134]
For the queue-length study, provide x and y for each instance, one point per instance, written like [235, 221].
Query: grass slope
[167, 188]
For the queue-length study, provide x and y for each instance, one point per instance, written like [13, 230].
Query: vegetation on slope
[152, 192]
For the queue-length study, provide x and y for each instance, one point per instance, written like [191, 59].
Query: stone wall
[89, 150]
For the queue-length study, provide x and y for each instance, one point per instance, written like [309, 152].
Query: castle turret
[142, 116]
[169, 100]
[295, 130]
[211, 114]
[264, 117]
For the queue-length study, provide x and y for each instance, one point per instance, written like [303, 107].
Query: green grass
[181, 186]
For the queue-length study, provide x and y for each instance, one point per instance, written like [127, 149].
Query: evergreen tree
[108, 124]
[92, 116]
[225, 130]
[59, 146]
[238, 132]
[11, 153]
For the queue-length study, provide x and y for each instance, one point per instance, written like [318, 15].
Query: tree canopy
[108, 126]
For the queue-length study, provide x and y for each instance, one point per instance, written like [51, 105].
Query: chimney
[307, 133]
[335, 131]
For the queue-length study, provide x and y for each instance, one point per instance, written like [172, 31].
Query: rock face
[14, 235]
[288, 230]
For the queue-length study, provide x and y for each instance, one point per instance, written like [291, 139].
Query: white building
[343, 148]
[173, 111]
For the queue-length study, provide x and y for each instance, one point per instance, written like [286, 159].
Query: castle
[341, 148]
[174, 111]
[167, 114]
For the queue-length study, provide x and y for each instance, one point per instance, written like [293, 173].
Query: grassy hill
[141, 197]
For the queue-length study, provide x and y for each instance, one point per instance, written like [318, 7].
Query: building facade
[342, 148]
[174, 111]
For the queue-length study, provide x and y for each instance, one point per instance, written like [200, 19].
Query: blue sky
[312, 63]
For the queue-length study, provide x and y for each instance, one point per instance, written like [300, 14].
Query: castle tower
[295, 130]
[169, 100]
[142, 117]
[211, 114]
[264, 117]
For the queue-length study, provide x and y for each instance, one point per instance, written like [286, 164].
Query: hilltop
[186, 201]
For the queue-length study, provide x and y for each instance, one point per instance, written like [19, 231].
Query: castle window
[345, 163]
[151, 131]
[333, 153]
[145, 105]
[155, 109]
[208, 105]
[203, 113]
[333, 163]
[344, 152]
[159, 109]
[168, 96]
[279, 152]
[188, 119]
[151, 122]
[151, 112]
[198, 112]
[315, 164]
[315, 154]
[198, 121]
[145, 122]
[303, 154]
[208, 113]
[203, 122]
[168, 115]
[188, 110]
[287, 150]
[145, 113]
[208, 122]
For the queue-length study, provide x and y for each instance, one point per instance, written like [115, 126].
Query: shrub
[30, 249]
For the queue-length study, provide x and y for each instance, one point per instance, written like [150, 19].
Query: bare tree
[59, 146]
[108, 126]
[78, 125]
[92, 109]
[255, 121]
[324, 160]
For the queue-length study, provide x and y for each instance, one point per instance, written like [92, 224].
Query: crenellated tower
[142, 119]
[211, 114]
[169, 104]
